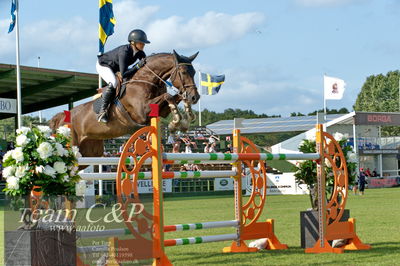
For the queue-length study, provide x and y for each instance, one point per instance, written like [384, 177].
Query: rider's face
[139, 46]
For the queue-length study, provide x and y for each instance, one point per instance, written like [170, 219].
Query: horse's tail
[57, 121]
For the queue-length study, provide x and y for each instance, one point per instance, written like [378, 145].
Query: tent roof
[43, 88]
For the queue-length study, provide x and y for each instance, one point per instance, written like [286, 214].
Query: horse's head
[182, 77]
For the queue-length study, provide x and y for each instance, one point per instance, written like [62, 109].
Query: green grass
[377, 216]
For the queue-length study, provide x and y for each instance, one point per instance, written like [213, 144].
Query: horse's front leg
[168, 104]
[189, 113]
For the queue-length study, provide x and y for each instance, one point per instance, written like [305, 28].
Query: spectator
[186, 140]
[170, 139]
[122, 148]
[188, 149]
[229, 148]
[212, 149]
[374, 173]
[212, 139]
[176, 147]
[207, 147]
[368, 172]
[361, 181]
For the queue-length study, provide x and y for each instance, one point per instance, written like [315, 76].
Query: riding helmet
[138, 36]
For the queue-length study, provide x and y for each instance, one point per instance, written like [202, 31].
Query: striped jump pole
[234, 157]
[203, 158]
[131, 161]
[199, 239]
[199, 226]
[165, 175]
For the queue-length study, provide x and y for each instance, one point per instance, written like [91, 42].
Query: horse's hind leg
[91, 148]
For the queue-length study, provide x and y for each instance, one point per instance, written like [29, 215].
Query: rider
[112, 66]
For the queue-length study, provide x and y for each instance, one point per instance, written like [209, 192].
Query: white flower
[73, 171]
[45, 150]
[23, 130]
[13, 182]
[66, 178]
[328, 163]
[338, 136]
[64, 131]
[21, 171]
[48, 170]
[8, 171]
[22, 140]
[7, 155]
[60, 167]
[76, 152]
[39, 169]
[18, 155]
[45, 130]
[352, 157]
[60, 151]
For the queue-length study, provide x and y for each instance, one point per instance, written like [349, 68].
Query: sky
[273, 53]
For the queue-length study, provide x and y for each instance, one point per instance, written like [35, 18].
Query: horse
[146, 87]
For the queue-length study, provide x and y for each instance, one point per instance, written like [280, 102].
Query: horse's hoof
[184, 125]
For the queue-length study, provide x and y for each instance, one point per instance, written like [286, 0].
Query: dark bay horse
[144, 88]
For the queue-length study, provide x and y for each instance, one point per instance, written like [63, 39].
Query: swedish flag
[106, 22]
[211, 84]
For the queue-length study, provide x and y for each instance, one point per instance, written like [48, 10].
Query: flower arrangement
[41, 159]
[306, 171]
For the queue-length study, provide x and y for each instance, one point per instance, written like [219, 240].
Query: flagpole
[19, 101]
[200, 98]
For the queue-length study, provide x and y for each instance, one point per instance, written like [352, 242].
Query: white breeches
[106, 74]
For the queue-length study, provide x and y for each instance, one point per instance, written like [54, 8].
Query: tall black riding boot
[108, 95]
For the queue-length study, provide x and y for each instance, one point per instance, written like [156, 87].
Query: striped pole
[203, 158]
[167, 228]
[239, 156]
[130, 161]
[165, 175]
[199, 240]
[198, 226]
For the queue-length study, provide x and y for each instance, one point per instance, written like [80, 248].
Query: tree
[7, 126]
[380, 93]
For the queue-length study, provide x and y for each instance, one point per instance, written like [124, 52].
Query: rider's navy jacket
[120, 58]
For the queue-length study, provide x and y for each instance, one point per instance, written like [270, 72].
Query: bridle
[175, 72]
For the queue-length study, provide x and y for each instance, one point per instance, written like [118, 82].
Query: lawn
[377, 216]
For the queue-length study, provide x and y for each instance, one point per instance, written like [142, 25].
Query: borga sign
[8, 106]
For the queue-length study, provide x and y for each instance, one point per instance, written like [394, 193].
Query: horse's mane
[156, 56]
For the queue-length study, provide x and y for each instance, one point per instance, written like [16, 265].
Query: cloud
[210, 29]
[73, 43]
[326, 3]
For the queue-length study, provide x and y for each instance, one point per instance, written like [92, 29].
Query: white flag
[333, 88]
